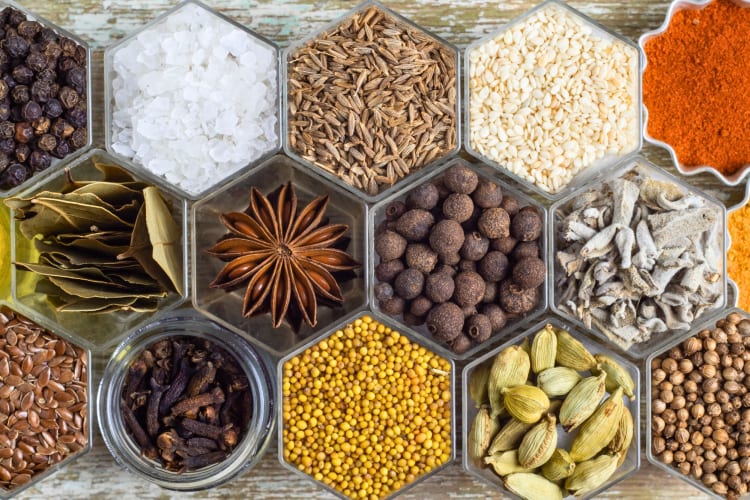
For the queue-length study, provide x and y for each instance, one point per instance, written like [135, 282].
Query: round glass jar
[126, 451]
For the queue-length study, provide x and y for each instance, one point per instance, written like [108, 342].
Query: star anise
[286, 258]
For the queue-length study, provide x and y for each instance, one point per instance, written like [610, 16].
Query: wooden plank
[103, 22]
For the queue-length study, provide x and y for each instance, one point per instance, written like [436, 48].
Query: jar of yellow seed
[366, 411]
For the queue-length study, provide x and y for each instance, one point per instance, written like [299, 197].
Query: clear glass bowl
[706, 324]
[57, 163]
[257, 366]
[657, 340]
[109, 100]
[633, 459]
[93, 331]
[87, 426]
[599, 167]
[377, 216]
[293, 47]
[676, 6]
[411, 335]
[226, 308]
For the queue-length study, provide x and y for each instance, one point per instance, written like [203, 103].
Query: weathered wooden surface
[103, 22]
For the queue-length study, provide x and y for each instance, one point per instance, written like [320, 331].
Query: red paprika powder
[696, 86]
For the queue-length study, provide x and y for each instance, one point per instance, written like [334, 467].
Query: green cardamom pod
[599, 429]
[560, 466]
[624, 435]
[617, 375]
[510, 368]
[509, 436]
[538, 444]
[591, 474]
[558, 381]
[505, 463]
[482, 431]
[582, 401]
[478, 382]
[526, 402]
[543, 349]
[530, 486]
[573, 354]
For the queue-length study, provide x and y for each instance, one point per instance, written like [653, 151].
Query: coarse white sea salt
[194, 99]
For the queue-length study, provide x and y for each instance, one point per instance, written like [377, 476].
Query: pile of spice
[700, 407]
[638, 256]
[459, 256]
[104, 245]
[550, 97]
[194, 99]
[696, 73]
[366, 411]
[372, 100]
[288, 260]
[529, 394]
[43, 97]
[186, 402]
[738, 255]
[43, 399]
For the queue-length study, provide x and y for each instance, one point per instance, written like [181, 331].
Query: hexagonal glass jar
[78, 436]
[674, 7]
[213, 180]
[377, 216]
[637, 168]
[93, 331]
[226, 308]
[258, 368]
[522, 172]
[410, 335]
[360, 134]
[56, 163]
[632, 461]
[708, 324]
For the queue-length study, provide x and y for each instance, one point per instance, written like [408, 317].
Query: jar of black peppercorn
[186, 404]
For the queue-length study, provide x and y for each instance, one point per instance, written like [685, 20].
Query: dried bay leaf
[59, 215]
[164, 234]
[96, 290]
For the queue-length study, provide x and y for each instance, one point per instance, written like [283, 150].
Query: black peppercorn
[79, 138]
[23, 75]
[7, 146]
[41, 125]
[24, 132]
[20, 94]
[47, 142]
[65, 64]
[31, 111]
[41, 91]
[53, 108]
[5, 111]
[16, 46]
[22, 152]
[28, 29]
[47, 75]
[46, 35]
[36, 61]
[7, 130]
[68, 46]
[13, 176]
[9, 81]
[80, 56]
[4, 89]
[69, 97]
[16, 17]
[62, 150]
[77, 116]
[39, 160]
[61, 129]
[76, 78]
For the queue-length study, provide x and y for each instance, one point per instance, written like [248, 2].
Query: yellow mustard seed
[366, 411]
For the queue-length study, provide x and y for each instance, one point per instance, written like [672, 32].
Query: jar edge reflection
[256, 365]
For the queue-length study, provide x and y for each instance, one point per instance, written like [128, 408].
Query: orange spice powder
[738, 256]
[697, 86]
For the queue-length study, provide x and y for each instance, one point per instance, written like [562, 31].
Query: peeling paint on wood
[103, 22]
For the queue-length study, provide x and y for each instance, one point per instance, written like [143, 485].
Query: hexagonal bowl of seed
[550, 414]
[460, 258]
[45, 102]
[276, 260]
[45, 398]
[370, 99]
[97, 249]
[343, 406]
[698, 406]
[638, 257]
[564, 80]
[176, 98]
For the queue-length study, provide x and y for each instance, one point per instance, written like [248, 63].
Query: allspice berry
[420, 306]
[526, 225]
[390, 245]
[460, 179]
[388, 270]
[421, 257]
[445, 321]
[494, 266]
[475, 246]
[383, 291]
[439, 287]
[505, 245]
[496, 315]
[424, 196]
[458, 207]
[490, 292]
[447, 237]
[529, 272]
[517, 300]
[393, 306]
[478, 328]
[415, 224]
[494, 223]
[525, 249]
[394, 210]
[460, 344]
[409, 284]
[469, 289]
[487, 194]
[510, 205]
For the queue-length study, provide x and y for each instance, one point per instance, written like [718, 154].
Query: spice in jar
[550, 96]
[366, 411]
[700, 407]
[696, 73]
[43, 399]
[186, 402]
[738, 255]
[194, 99]
[372, 100]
